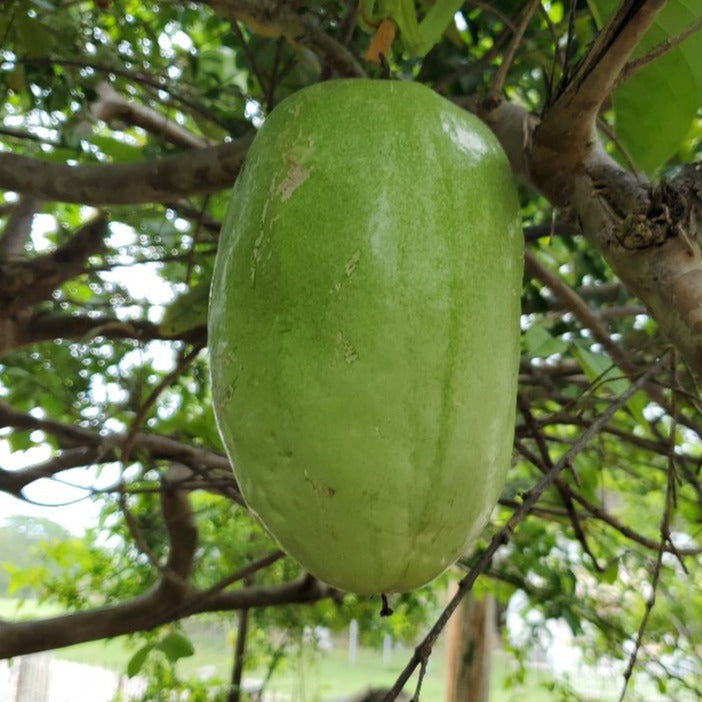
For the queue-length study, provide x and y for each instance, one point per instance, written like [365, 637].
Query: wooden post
[353, 641]
[470, 638]
[33, 678]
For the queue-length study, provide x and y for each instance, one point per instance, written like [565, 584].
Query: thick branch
[161, 180]
[24, 283]
[182, 532]
[144, 613]
[567, 135]
[649, 236]
[14, 481]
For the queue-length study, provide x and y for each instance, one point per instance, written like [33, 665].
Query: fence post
[353, 641]
[33, 678]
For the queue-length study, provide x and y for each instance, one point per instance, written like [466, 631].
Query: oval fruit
[364, 330]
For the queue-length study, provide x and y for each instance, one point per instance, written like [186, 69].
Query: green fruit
[364, 330]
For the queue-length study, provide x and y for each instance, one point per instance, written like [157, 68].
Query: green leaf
[33, 38]
[655, 108]
[220, 64]
[598, 368]
[538, 342]
[175, 646]
[136, 662]
[573, 622]
[611, 573]
[651, 130]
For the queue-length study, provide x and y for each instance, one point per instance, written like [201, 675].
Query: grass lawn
[307, 678]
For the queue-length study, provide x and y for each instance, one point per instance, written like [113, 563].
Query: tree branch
[25, 283]
[570, 299]
[111, 107]
[498, 83]
[146, 612]
[633, 67]
[24, 329]
[160, 180]
[649, 236]
[273, 18]
[14, 481]
[567, 135]
[180, 526]
[205, 464]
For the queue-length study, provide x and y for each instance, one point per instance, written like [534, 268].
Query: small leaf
[136, 662]
[598, 368]
[175, 646]
[611, 573]
[573, 622]
[33, 38]
[538, 342]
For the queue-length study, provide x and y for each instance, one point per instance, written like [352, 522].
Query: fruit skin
[364, 330]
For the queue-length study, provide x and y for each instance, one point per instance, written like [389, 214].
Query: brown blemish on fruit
[295, 177]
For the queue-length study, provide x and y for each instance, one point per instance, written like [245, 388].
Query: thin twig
[420, 679]
[587, 317]
[23, 134]
[545, 464]
[612, 136]
[424, 649]
[136, 533]
[489, 8]
[498, 83]
[132, 524]
[670, 500]
[154, 81]
[669, 44]
[201, 596]
[250, 57]
[167, 380]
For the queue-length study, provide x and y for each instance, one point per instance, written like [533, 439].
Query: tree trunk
[469, 643]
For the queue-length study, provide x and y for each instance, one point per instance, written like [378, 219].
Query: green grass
[308, 677]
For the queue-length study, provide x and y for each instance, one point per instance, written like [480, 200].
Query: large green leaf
[136, 662]
[175, 646]
[654, 109]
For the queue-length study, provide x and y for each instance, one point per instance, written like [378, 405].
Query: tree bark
[469, 643]
[164, 179]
